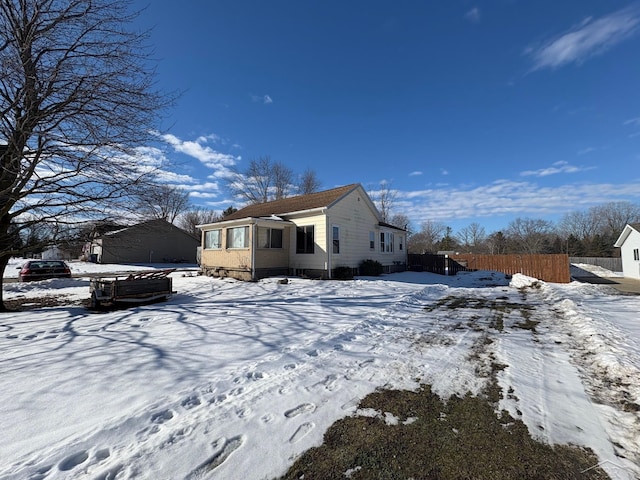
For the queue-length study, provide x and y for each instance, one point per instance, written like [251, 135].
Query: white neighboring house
[308, 235]
[629, 243]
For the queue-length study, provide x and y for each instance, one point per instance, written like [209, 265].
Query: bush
[370, 268]
[342, 273]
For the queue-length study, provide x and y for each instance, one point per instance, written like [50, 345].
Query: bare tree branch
[262, 181]
[164, 202]
[308, 182]
[77, 97]
[199, 216]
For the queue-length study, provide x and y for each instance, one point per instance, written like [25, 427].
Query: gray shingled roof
[293, 204]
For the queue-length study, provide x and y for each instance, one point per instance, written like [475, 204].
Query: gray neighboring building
[155, 241]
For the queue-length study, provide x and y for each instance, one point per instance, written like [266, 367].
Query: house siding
[350, 210]
[275, 258]
[355, 220]
[316, 261]
[228, 262]
[146, 243]
[630, 266]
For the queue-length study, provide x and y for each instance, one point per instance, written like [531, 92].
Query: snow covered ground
[234, 380]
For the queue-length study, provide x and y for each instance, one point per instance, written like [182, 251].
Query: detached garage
[155, 241]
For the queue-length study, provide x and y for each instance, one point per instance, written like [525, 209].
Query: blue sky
[473, 111]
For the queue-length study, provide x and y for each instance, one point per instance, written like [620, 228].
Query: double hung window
[386, 242]
[336, 239]
[238, 237]
[269, 237]
[212, 239]
[304, 239]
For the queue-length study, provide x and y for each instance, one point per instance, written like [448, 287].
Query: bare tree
[497, 243]
[282, 180]
[400, 220]
[472, 237]
[581, 224]
[384, 197]
[426, 240]
[198, 216]
[529, 235]
[76, 96]
[615, 215]
[262, 181]
[308, 182]
[164, 202]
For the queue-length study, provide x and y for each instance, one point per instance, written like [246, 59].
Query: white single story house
[308, 235]
[629, 243]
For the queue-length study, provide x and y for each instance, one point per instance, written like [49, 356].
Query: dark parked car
[43, 269]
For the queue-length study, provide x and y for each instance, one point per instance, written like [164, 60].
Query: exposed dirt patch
[24, 303]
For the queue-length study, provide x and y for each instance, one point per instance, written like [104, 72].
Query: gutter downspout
[329, 246]
[253, 251]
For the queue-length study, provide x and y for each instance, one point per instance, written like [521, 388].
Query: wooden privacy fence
[434, 263]
[613, 264]
[550, 268]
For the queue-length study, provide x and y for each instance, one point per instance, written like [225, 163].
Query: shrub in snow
[370, 268]
[343, 273]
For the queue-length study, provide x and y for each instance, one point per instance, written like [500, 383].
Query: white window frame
[372, 240]
[386, 242]
[335, 242]
[209, 245]
[269, 237]
[636, 254]
[308, 233]
[231, 234]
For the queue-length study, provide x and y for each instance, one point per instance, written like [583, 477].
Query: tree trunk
[4, 260]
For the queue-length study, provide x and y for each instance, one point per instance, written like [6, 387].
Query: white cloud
[633, 121]
[266, 99]
[473, 15]
[198, 149]
[415, 174]
[590, 38]
[444, 172]
[558, 167]
[508, 198]
[587, 150]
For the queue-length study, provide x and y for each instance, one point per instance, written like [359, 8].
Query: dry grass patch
[462, 438]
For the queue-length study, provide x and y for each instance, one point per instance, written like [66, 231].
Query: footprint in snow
[41, 473]
[190, 402]
[302, 431]
[73, 461]
[299, 410]
[255, 375]
[290, 366]
[102, 454]
[162, 417]
[110, 474]
[228, 447]
[353, 403]
[329, 383]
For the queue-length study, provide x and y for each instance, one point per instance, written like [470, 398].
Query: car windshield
[47, 264]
